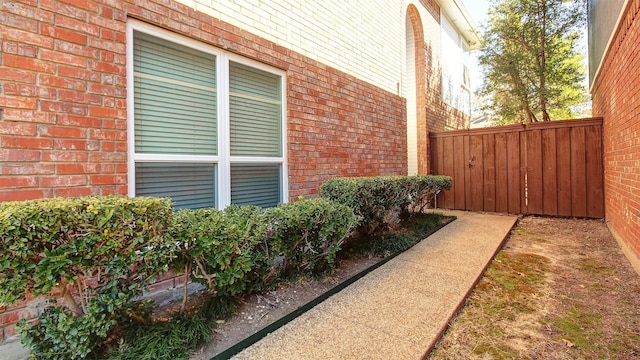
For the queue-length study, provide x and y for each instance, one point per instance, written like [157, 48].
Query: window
[455, 68]
[205, 127]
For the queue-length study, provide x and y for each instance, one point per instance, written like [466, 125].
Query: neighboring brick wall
[615, 98]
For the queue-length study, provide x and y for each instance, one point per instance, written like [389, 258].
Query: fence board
[501, 174]
[561, 161]
[534, 172]
[489, 173]
[549, 173]
[595, 172]
[446, 146]
[578, 173]
[476, 172]
[513, 167]
[467, 174]
[563, 154]
[459, 173]
[523, 173]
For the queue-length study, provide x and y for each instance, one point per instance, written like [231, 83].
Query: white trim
[255, 160]
[224, 167]
[131, 166]
[175, 158]
[222, 160]
[606, 49]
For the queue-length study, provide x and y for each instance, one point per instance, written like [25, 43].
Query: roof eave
[462, 20]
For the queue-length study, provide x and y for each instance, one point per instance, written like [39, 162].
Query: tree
[533, 69]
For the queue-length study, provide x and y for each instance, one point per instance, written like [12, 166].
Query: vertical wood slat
[563, 170]
[549, 173]
[535, 191]
[489, 173]
[595, 172]
[514, 174]
[459, 180]
[448, 169]
[562, 162]
[476, 172]
[578, 173]
[524, 168]
[501, 174]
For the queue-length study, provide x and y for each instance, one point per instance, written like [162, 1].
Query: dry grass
[560, 289]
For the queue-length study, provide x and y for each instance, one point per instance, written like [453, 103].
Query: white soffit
[461, 19]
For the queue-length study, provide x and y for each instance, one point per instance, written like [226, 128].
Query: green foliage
[308, 233]
[105, 248]
[170, 340]
[216, 247]
[218, 307]
[532, 66]
[379, 199]
[384, 243]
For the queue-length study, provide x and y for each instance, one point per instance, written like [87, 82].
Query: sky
[477, 9]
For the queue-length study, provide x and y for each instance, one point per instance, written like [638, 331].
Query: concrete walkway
[400, 310]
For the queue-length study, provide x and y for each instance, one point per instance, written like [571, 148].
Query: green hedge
[245, 249]
[308, 233]
[379, 199]
[106, 248]
[216, 248]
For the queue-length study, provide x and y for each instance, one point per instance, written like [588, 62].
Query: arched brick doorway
[417, 139]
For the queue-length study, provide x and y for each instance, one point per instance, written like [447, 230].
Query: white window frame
[223, 160]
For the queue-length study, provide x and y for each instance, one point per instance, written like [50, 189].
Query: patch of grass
[384, 243]
[510, 287]
[595, 267]
[580, 327]
[169, 340]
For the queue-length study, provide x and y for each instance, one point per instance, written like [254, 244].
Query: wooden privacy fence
[550, 168]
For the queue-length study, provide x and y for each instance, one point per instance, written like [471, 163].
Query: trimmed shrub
[95, 253]
[378, 200]
[308, 233]
[216, 247]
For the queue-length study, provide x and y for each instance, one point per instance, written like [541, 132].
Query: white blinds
[255, 112]
[175, 98]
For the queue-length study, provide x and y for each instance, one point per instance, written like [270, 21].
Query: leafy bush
[95, 253]
[378, 200]
[308, 233]
[216, 247]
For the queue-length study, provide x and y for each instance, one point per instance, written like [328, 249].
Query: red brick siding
[63, 107]
[615, 98]
[64, 101]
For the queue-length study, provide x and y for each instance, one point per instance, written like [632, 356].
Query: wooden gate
[550, 168]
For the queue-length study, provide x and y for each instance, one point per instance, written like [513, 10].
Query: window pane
[189, 185]
[253, 184]
[255, 110]
[174, 98]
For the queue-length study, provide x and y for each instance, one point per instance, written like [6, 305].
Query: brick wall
[63, 104]
[615, 98]
[63, 101]
[63, 125]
